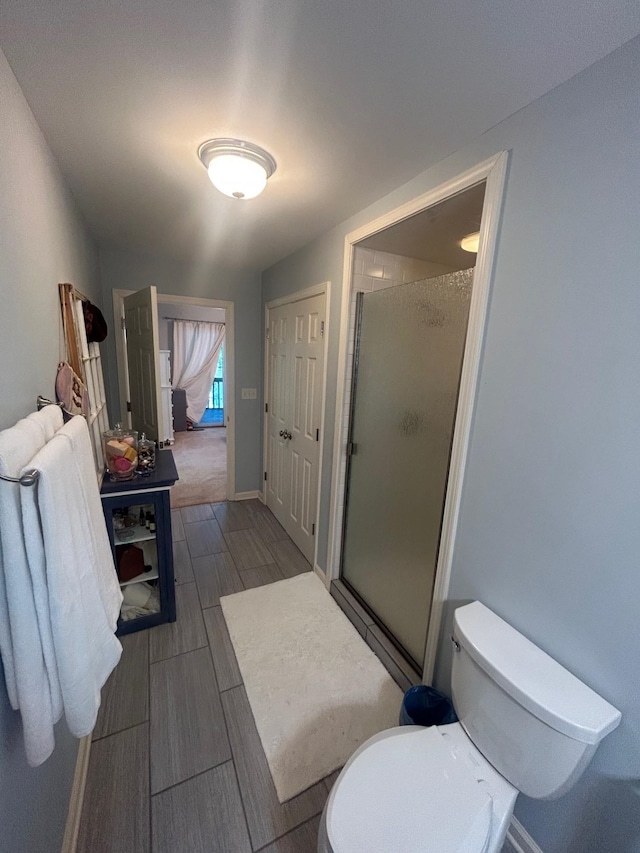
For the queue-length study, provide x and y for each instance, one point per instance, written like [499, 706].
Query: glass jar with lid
[120, 448]
[146, 456]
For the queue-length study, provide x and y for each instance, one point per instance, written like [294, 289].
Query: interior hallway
[176, 764]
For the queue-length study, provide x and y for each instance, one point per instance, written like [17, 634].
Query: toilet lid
[409, 792]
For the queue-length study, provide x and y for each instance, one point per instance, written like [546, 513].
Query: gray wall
[132, 271]
[42, 242]
[549, 531]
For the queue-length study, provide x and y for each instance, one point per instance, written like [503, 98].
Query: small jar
[120, 448]
[146, 456]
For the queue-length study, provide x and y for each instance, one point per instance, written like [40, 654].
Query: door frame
[229, 413]
[298, 296]
[493, 171]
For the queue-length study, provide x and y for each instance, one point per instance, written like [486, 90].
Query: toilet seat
[415, 790]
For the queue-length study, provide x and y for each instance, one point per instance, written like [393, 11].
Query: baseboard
[246, 496]
[76, 799]
[519, 840]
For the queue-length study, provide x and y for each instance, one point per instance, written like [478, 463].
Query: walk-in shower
[413, 286]
[409, 348]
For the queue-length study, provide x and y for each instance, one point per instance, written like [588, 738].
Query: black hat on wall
[94, 323]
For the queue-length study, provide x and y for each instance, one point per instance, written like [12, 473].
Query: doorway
[295, 380]
[195, 340]
[370, 494]
[215, 464]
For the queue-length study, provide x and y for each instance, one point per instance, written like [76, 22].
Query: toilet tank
[534, 721]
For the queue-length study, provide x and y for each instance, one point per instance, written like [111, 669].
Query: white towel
[17, 447]
[49, 419]
[30, 679]
[77, 433]
[83, 593]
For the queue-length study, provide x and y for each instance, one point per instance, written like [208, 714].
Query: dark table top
[165, 474]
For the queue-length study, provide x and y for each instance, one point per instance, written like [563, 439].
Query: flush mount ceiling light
[471, 242]
[238, 169]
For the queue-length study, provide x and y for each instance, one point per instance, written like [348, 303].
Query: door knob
[282, 433]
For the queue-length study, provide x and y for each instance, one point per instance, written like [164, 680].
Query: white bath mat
[316, 689]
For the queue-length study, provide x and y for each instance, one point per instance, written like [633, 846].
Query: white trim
[265, 394]
[74, 813]
[495, 177]
[493, 171]
[314, 290]
[245, 496]
[475, 175]
[121, 359]
[198, 301]
[519, 839]
[299, 295]
[229, 365]
[140, 491]
[327, 330]
[321, 574]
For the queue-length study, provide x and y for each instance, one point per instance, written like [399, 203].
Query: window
[85, 359]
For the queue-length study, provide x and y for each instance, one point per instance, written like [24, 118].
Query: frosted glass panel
[407, 372]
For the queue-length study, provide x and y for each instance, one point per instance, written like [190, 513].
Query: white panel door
[143, 360]
[166, 401]
[296, 369]
[278, 392]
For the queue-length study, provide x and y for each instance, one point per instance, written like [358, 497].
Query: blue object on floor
[425, 706]
[213, 416]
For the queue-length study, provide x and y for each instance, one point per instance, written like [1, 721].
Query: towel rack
[41, 402]
[30, 478]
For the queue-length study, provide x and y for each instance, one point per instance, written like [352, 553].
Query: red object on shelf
[130, 562]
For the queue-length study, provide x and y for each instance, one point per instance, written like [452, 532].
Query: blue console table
[128, 509]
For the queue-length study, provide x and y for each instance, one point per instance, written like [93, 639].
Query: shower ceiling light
[471, 242]
[238, 169]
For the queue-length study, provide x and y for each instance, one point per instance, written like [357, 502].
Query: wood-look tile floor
[176, 764]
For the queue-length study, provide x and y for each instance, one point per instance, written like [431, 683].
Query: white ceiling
[351, 98]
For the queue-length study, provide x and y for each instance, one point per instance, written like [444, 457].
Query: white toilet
[526, 725]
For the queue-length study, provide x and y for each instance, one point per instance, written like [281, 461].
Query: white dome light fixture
[471, 242]
[236, 168]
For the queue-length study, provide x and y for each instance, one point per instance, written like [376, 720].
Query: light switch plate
[249, 394]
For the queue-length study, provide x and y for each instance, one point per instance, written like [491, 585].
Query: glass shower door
[409, 350]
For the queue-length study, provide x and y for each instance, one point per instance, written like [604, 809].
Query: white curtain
[196, 347]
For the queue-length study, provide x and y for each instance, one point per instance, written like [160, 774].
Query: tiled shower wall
[374, 270]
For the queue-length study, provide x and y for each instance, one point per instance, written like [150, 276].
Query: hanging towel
[77, 433]
[30, 678]
[82, 589]
[16, 448]
[49, 419]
